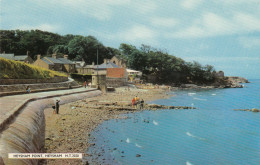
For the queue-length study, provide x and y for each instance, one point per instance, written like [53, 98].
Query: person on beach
[136, 101]
[133, 102]
[142, 104]
[57, 106]
[136, 98]
[85, 84]
[28, 89]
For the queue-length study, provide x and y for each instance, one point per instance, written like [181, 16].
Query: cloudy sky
[223, 33]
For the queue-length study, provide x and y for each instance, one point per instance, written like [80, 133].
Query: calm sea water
[212, 134]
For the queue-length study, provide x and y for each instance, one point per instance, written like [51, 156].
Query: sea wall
[32, 81]
[26, 133]
[37, 87]
[115, 82]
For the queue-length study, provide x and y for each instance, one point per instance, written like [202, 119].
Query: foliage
[45, 43]
[10, 69]
[151, 61]
[164, 67]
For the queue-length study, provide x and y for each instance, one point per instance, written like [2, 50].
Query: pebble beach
[68, 132]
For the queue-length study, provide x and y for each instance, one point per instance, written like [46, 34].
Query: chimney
[93, 63]
[54, 56]
[38, 56]
[105, 60]
[65, 56]
[27, 53]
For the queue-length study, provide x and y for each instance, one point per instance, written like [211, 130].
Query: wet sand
[69, 131]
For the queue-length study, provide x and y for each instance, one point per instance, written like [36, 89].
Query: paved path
[9, 105]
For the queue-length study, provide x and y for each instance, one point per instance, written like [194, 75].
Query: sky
[222, 33]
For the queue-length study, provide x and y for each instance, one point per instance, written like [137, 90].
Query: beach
[68, 132]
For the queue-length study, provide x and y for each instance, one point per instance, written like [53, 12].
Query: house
[133, 75]
[115, 75]
[82, 68]
[118, 61]
[68, 66]
[22, 58]
[57, 64]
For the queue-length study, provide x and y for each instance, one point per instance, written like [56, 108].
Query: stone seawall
[25, 133]
[115, 82]
[37, 86]
[32, 81]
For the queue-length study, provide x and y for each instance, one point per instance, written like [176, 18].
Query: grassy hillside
[10, 69]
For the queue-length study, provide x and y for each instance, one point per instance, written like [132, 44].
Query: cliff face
[232, 82]
[238, 79]
[229, 82]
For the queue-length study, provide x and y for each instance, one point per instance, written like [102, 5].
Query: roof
[53, 60]
[65, 61]
[14, 57]
[7, 56]
[20, 57]
[108, 65]
[47, 61]
[130, 70]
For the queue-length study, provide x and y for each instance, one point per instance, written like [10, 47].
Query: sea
[212, 134]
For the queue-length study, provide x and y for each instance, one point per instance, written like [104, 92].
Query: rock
[92, 144]
[138, 155]
[85, 163]
[242, 110]
[47, 138]
[255, 110]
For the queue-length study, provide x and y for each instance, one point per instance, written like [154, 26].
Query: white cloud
[247, 22]
[138, 34]
[190, 4]
[144, 6]
[216, 59]
[249, 42]
[44, 27]
[238, 2]
[164, 22]
[99, 9]
[211, 25]
[203, 46]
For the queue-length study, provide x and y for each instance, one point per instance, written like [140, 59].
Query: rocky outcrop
[220, 82]
[252, 110]
[238, 80]
[95, 104]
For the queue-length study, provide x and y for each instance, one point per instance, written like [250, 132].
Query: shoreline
[70, 130]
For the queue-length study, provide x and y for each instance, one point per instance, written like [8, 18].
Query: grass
[10, 69]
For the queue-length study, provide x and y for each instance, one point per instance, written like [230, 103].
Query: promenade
[10, 105]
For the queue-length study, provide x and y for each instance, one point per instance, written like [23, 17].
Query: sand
[68, 132]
